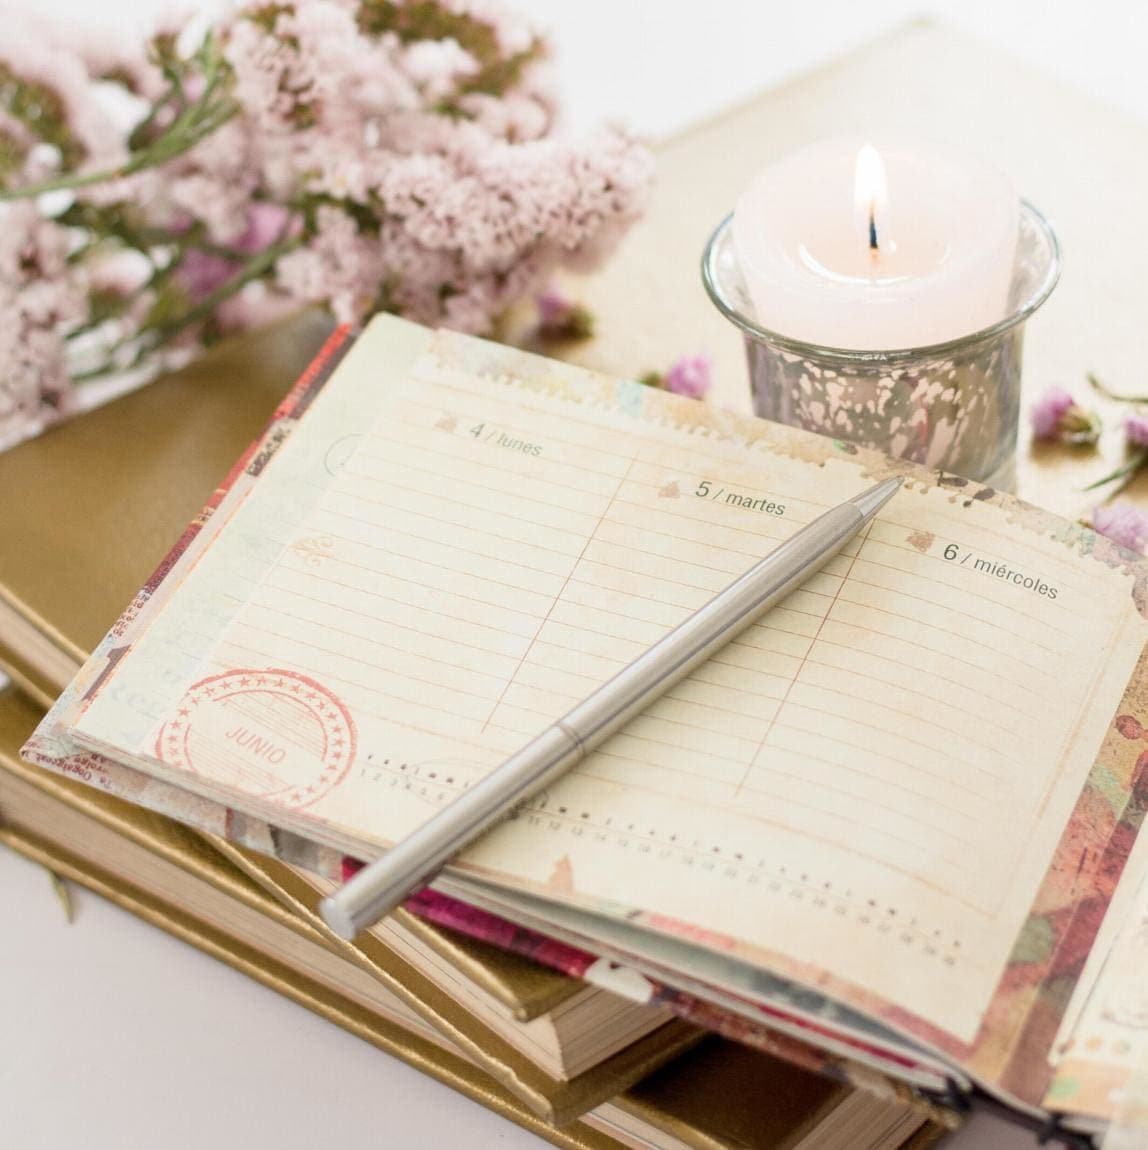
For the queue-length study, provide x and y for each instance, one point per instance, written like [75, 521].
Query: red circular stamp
[275, 734]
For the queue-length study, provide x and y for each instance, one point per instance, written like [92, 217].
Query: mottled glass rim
[711, 277]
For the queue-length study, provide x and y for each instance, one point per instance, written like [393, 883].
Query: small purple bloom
[266, 223]
[553, 307]
[1136, 430]
[690, 376]
[1049, 410]
[1122, 523]
[1057, 415]
[200, 273]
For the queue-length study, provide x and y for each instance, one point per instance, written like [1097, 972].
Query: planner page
[871, 782]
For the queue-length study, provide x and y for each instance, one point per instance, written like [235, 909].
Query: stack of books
[823, 845]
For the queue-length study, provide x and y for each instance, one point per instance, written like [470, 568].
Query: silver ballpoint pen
[381, 886]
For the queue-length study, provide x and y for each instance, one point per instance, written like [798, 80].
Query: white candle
[849, 246]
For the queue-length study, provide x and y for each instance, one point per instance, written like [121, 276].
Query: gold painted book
[889, 815]
[710, 1097]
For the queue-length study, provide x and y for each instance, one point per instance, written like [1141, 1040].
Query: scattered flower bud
[1136, 430]
[691, 376]
[1122, 523]
[1057, 415]
[560, 317]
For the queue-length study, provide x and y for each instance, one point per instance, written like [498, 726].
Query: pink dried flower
[341, 267]
[1056, 415]
[42, 299]
[200, 273]
[437, 66]
[554, 307]
[461, 203]
[220, 204]
[1136, 430]
[690, 376]
[120, 273]
[1123, 523]
[257, 305]
[266, 223]
[48, 78]
[1047, 413]
[383, 163]
[113, 58]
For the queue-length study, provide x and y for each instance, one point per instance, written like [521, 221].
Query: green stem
[64, 183]
[255, 268]
[1095, 383]
[141, 130]
[157, 337]
[154, 281]
[187, 130]
[1125, 474]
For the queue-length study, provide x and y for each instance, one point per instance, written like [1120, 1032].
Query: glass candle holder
[951, 406]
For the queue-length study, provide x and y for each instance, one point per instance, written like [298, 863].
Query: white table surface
[114, 1035]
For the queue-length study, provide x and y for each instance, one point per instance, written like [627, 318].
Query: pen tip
[337, 918]
[871, 501]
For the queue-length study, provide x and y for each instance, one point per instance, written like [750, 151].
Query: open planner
[892, 815]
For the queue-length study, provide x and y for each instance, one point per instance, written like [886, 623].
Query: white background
[115, 1036]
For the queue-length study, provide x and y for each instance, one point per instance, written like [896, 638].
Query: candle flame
[871, 195]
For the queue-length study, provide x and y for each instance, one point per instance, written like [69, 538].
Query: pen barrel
[423, 853]
[384, 884]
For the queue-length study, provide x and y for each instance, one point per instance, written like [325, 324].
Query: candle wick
[873, 245]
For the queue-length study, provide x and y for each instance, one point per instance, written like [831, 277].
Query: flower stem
[151, 341]
[1096, 385]
[191, 126]
[1124, 474]
[261, 263]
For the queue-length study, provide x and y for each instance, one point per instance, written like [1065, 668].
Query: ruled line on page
[870, 559]
[521, 404]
